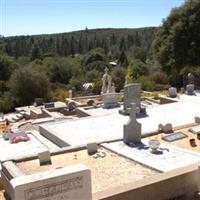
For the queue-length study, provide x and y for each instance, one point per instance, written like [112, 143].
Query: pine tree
[129, 75]
[72, 47]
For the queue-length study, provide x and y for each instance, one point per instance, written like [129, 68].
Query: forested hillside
[49, 65]
[65, 44]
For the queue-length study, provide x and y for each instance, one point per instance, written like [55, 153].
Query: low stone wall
[36, 115]
[182, 182]
[166, 100]
[52, 137]
[80, 112]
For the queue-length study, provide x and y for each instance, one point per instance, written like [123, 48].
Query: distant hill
[65, 44]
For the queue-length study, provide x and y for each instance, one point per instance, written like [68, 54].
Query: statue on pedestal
[107, 83]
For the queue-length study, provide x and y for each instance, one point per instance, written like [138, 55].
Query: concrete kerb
[17, 186]
[163, 179]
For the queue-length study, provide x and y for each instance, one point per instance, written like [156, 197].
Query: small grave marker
[174, 136]
[92, 148]
[44, 157]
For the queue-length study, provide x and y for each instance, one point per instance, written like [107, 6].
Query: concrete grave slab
[171, 157]
[110, 126]
[20, 150]
[68, 183]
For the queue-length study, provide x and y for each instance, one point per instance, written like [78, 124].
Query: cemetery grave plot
[167, 157]
[19, 150]
[184, 142]
[109, 170]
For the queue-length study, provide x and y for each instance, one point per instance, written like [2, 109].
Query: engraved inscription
[52, 190]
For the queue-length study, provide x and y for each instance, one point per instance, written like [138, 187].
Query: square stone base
[140, 113]
[111, 105]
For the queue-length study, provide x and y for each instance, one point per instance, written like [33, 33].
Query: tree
[177, 42]
[95, 55]
[122, 45]
[139, 69]
[118, 75]
[35, 53]
[129, 75]
[6, 67]
[72, 47]
[6, 102]
[123, 61]
[27, 84]
[139, 53]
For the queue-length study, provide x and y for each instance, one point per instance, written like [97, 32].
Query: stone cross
[132, 130]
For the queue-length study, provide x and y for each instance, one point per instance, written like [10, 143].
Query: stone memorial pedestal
[110, 100]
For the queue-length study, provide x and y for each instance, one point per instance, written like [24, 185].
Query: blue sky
[27, 17]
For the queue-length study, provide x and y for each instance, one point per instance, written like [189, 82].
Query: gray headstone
[182, 90]
[72, 183]
[197, 120]
[172, 92]
[190, 89]
[132, 95]
[92, 148]
[44, 157]
[132, 130]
